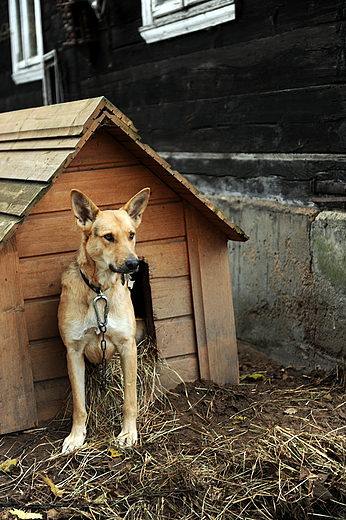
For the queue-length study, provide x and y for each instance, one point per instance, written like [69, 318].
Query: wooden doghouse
[182, 241]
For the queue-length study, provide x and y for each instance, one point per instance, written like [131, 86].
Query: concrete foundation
[289, 281]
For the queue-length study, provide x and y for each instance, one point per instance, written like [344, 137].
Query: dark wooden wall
[272, 81]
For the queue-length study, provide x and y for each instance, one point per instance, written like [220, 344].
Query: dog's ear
[84, 209]
[135, 207]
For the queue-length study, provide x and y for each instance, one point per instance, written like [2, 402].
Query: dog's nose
[132, 264]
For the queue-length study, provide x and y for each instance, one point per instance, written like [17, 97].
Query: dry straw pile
[277, 473]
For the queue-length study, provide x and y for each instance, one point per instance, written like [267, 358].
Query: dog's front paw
[126, 439]
[72, 442]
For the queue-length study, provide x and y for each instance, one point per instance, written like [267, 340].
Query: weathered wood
[43, 122]
[101, 150]
[48, 360]
[266, 65]
[166, 259]
[171, 297]
[50, 397]
[8, 226]
[59, 232]
[303, 120]
[16, 198]
[41, 276]
[17, 401]
[40, 165]
[179, 370]
[68, 143]
[176, 337]
[42, 319]
[212, 299]
[106, 187]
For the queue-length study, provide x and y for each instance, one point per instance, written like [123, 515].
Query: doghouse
[183, 288]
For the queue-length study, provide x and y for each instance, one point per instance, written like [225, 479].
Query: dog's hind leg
[128, 357]
[76, 372]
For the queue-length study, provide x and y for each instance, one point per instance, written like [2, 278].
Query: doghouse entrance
[141, 297]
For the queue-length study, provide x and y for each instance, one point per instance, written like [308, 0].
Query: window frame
[161, 22]
[28, 68]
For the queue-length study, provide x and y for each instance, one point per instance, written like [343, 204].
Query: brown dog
[106, 255]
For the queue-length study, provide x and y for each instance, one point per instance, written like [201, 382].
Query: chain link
[102, 323]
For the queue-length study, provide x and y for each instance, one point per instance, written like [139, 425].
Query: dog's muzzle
[131, 265]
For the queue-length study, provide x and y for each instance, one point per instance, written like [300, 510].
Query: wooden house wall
[47, 241]
[271, 82]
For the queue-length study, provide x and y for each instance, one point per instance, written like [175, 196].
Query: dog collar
[93, 287]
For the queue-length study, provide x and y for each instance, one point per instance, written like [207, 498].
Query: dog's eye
[109, 237]
[131, 235]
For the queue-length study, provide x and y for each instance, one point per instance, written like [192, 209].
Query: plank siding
[161, 244]
[17, 401]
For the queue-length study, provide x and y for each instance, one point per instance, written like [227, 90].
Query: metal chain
[102, 323]
[104, 361]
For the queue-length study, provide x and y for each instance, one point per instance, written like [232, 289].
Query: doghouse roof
[37, 144]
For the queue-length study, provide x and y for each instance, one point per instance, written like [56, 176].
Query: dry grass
[277, 473]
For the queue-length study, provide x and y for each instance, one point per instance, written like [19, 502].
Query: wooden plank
[47, 121]
[32, 165]
[68, 143]
[166, 259]
[101, 150]
[42, 319]
[197, 293]
[48, 360]
[41, 276]
[176, 337]
[17, 197]
[8, 225]
[50, 397]
[178, 370]
[107, 187]
[212, 299]
[44, 235]
[171, 297]
[47, 235]
[17, 400]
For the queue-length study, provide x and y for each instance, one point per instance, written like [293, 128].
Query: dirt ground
[271, 400]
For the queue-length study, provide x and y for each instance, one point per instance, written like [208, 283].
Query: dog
[104, 260]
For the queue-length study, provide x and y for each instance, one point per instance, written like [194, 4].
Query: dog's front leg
[76, 372]
[128, 357]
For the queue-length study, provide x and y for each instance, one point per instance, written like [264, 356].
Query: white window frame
[177, 17]
[28, 68]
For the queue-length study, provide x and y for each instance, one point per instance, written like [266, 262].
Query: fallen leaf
[239, 419]
[290, 411]
[55, 490]
[22, 515]
[253, 377]
[113, 453]
[307, 473]
[320, 491]
[8, 465]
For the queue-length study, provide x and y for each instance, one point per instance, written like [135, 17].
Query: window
[26, 40]
[164, 19]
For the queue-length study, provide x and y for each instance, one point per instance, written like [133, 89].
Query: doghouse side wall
[47, 241]
[17, 400]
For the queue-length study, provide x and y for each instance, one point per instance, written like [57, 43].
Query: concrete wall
[289, 280]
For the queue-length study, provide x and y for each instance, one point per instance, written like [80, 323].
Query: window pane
[32, 29]
[19, 32]
[162, 7]
[161, 2]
